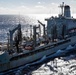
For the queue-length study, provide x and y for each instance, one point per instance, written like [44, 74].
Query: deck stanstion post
[34, 36]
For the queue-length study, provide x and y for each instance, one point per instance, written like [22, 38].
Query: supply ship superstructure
[61, 32]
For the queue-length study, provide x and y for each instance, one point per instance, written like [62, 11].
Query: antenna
[62, 8]
[19, 17]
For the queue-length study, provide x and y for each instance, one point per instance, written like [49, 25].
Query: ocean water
[8, 22]
[53, 65]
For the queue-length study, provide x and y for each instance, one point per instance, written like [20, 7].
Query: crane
[11, 32]
[43, 27]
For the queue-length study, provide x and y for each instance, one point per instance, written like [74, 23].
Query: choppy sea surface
[56, 64]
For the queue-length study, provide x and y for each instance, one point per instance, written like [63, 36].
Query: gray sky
[34, 6]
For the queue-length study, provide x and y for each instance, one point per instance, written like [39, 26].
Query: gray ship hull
[21, 61]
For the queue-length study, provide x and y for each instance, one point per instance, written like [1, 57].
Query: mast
[62, 8]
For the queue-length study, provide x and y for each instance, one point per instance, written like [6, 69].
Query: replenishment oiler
[59, 33]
